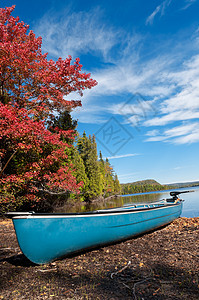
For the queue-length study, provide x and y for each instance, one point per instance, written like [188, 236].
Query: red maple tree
[32, 88]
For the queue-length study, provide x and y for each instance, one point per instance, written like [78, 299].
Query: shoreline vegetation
[162, 264]
[151, 185]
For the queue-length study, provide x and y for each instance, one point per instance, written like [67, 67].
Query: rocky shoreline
[163, 264]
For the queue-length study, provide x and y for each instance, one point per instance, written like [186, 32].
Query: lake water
[190, 205]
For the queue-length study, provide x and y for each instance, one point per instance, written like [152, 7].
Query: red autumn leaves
[32, 88]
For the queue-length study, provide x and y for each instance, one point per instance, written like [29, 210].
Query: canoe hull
[44, 238]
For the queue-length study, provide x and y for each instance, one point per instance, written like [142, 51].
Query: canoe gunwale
[119, 210]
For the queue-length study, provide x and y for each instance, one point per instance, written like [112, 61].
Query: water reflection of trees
[190, 204]
[114, 202]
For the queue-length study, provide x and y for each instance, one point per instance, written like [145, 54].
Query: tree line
[94, 173]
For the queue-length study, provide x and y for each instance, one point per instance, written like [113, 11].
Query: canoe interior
[127, 207]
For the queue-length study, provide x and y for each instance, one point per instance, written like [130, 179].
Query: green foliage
[117, 187]
[88, 151]
[102, 181]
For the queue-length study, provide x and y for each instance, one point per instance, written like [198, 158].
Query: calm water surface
[190, 206]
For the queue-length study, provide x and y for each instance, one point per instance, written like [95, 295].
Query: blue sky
[145, 56]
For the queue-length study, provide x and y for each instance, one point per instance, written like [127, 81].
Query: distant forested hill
[142, 186]
[184, 184]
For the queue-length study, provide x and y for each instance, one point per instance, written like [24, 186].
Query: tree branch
[53, 193]
[1, 173]
[44, 190]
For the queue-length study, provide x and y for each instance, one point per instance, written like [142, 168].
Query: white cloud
[75, 33]
[167, 76]
[160, 9]
[84, 32]
[188, 3]
[183, 134]
[177, 168]
[90, 114]
[174, 95]
[182, 130]
[134, 106]
[156, 139]
[189, 138]
[169, 118]
[122, 156]
[152, 16]
[126, 76]
[184, 103]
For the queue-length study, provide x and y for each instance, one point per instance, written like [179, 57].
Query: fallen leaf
[141, 264]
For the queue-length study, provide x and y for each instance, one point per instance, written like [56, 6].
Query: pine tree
[109, 177]
[88, 150]
[102, 182]
[64, 122]
[117, 187]
[79, 171]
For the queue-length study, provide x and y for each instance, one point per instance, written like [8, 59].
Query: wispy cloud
[125, 78]
[122, 156]
[75, 33]
[150, 19]
[160, 9]
[188, 3]
[183, 134]
[168, 76]
[172, 92]
[184, 103]
[177, 168]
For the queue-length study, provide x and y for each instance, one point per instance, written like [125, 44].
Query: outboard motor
[175, 195]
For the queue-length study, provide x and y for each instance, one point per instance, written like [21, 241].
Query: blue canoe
[47, 237]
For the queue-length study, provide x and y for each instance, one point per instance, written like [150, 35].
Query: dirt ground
[163, 264]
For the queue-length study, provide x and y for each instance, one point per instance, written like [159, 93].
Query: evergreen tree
[109, 177]
[88, 150]
[117, 188]
[101, 158]
[65, 122]
[102, 180]
[102, 174]
[79, 170]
